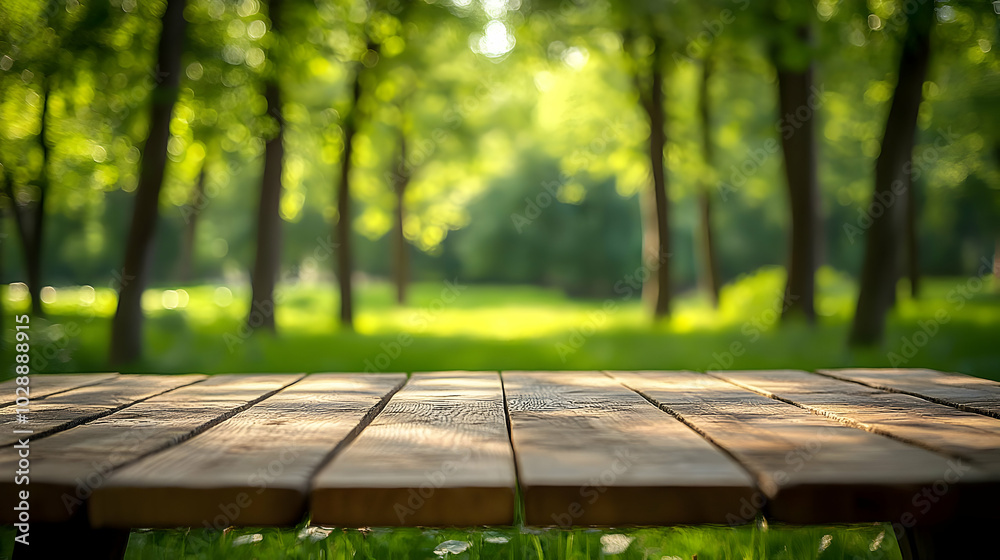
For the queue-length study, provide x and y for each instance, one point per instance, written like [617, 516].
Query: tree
[655, 205]
[401, 249]
[710, 269]
[343, 227]
[892, 181]
[191, 214]
[652, 103]
[795, 98]
[126, 327]
[912, 240]
[30, 218]
[268, 255]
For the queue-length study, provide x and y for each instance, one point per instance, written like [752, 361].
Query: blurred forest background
[351, 185]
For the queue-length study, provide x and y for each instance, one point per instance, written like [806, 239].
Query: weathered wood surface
[438, 454]
[42, 385]
[70, 408]
[254, 468]
[68, 466]
[591, 452]
[964, 392]
[948, 430]
[813, 469]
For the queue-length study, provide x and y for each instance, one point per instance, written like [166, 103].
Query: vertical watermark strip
[22, 406]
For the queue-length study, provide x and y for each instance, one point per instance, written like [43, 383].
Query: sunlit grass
[516, 327]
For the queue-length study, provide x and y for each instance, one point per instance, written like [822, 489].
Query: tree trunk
[650, 244]
[996, 265]
[343, 229]
[186, 265]
[30, 220]
[268, 256]
[34, 254]
[710, 270]
[126, 327]
[799, 150]
[26, 219]
[882, 245]
[912, 241]
[3, 247]
[657, 250]
[401, 260]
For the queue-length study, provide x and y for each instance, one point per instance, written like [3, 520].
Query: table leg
[72, 540]
[948, 541]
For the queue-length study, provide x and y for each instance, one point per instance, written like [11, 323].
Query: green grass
[507, 328]
[873, 541]
[499, 327]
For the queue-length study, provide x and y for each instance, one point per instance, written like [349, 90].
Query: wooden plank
[66, 467]
[42, 385]
[813, 469]
[591, 452]
[941, 428]
[253, 469]
[70, 408]
[965, 392]
[438, 455]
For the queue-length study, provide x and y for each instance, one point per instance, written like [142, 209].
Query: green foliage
[565, 89]
[542, 233]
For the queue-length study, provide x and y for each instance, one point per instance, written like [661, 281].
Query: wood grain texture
[252, 469]
[438, 455]
[45, 384]
[70, 408]
[972, 394]
[66, 467]
[811, 468]
[941, 428]
[591, 452]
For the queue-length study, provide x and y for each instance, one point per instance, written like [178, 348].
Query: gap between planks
[942, 429]
[57, 383]
[987, 390]
[590, 451]
[438, 454]
[849, 422]
[254, 469]
[857, 476]
[69, 465]
[64, 411]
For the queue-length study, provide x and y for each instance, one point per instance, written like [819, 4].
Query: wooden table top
[915, 447]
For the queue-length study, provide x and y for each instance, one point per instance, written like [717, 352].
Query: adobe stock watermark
[421, 320]
[795, 460]
[57, 347]
[533, 206]
[923, 500]
[592, 491]
[434, 480]
[786, 127]
[259, 481]
[129, 443]
[910, 346]
[699, 45]
[752, 330]
[261, 311]
[626, 288]
[883, 201]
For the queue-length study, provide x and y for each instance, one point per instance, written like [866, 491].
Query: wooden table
[108, 452]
